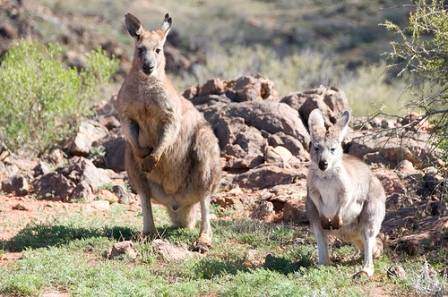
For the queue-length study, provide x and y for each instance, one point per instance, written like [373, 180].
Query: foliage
[41, 100]
[422, 49]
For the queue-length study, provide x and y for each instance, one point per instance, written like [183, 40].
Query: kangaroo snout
[323, 165]
[148, 68]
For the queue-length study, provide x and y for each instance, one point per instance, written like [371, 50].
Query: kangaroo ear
[167, 23]
[133, 25]
[343, 123]
[316, 123]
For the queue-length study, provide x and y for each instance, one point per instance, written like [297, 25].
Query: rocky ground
[264, 144]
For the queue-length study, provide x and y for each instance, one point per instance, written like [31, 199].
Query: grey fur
[345, 199]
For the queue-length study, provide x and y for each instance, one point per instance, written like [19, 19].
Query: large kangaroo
[344, 198]
[172, 155]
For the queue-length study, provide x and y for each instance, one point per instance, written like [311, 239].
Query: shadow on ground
[40, 236]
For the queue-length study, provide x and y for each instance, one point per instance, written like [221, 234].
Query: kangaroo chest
[338, 196]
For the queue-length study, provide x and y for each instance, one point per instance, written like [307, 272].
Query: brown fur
[172, 155]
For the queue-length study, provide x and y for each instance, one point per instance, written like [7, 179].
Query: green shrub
[422, 49]
[41, 100]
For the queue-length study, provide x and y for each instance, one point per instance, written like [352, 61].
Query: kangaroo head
[148, 52]
[326, 143]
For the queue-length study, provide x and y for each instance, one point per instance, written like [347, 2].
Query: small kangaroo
[172, 154]
[344, 198]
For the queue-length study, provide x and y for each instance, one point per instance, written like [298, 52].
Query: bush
[422, 50]
[42, 100]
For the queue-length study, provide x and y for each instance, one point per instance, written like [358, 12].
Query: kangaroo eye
[316, 148]
[141, 50]
[158, 50]
[332, 150]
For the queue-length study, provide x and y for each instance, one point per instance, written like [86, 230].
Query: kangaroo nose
[148, 68]
[175, 207]
[323, 165]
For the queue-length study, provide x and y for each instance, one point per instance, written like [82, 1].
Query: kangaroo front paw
[334, 224]
[149, 163]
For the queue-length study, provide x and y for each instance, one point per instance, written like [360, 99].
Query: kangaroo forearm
[168, 136]
[131, 133]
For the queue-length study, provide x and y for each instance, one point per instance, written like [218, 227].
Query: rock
[227, 201]
[387, 124]
[114, 156]
[77, 180]
[391, 150]
[84, 170]
[8, 31]
[431, 170]
[213, 86]
[122, 194]
[54, 186]
[396, 271]
[109, 121]
[390, 181]
[88, 132]
[406, 167]
[243, 130]
[265, 176]
[264, 211]
[122, 249]
[249, 88]
[16, 184]
[253, 259]
[56, 157]
[330, 101]
[296, 148]
[294, 211]
[101, 205]
[170, 252]
[107, 195]
[82, 192]
[41, 169]
[20, 206]
[278, 154]
[75, 59]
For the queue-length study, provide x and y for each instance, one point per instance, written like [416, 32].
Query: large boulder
[268, 175]
[390, 149]
[80, 179]
[331, 101]
[245, 129]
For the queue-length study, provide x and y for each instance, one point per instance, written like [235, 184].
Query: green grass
[66, 254]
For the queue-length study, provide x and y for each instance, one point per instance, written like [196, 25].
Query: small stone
[41, 169]
[88, 132]
[170, 252]
[121, 193]
[253, 259]
[57, 157]
[107, 195]
[396, 271]
[264, 211]
[431, 170]
[101, 205]
[124, 248]
[20, 206]
[17, 184]
[109, 121]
